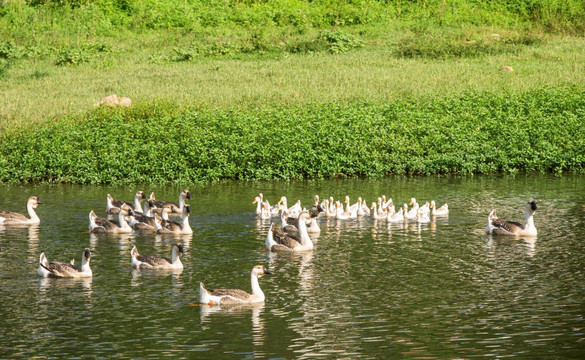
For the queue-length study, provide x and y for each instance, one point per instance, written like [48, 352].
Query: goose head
[140, 195]
[178, 249]
[531, 208]
[186, 194]
[260, 270]
[34, 201]
[86, 256]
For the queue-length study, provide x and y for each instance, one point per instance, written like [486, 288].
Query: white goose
[379, 213]
[258, 202]
[396, 216]
[174, 227]
[422, 216]
[146, 221]
[277, 240]
[12, 218]
[235, 296]
[101, 225]
[340, 214]
[158, 262]
[65, 270]
[409, 214]
[441, 211]
[497, 226]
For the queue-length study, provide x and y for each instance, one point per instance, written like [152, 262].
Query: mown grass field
[204, 74]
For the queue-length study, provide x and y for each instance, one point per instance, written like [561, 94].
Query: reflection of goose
[65, 270]
[497, 226]
[12, 218]
[235, 296]
[101, 225]
[158, 262]
[114, 206]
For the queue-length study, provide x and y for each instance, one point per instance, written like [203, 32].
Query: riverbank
[474, 133]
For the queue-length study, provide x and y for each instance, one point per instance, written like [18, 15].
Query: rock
[114, 100]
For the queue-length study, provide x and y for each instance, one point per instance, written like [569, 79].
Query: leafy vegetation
[473, 133]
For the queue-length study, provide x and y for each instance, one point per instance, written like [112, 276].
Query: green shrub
[472, 133]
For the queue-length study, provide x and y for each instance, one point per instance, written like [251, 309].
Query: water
[367, 290]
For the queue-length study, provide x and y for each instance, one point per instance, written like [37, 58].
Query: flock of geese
[293, 234]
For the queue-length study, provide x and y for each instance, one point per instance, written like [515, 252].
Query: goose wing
[12, 216]
[154, 261]
[230, 296]
[59, 269]
[286, 240]
[506, 227]
[105, 223]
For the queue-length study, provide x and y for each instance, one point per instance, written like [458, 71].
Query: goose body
[13, 218]
[409, 214]
[65, 270]
[113, 206]
[177, 208]
[340, 214]
[396, 217]
[100, 225]
[498, 226]
[158, 262]
[175, 227]
[277, 240]
[439, 211]
[235, 296]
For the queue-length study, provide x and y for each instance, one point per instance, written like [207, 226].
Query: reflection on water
[369, 289]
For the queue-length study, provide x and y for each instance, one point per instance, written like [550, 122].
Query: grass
[369, 73]
[238, 63]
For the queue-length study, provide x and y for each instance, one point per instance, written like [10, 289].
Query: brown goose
[114, 206]
[178, 208]
[235, 296]
[175, 227]
[101, 225]
[65, 270]
[277, 240]
[158, 262]
[497, 226]
[12, 218]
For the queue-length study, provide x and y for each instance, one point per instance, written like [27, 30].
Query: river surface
[368, 290]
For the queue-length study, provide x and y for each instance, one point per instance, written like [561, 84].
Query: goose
[413, 212]
[292, 223]
[378, 214]
[113, 206]
[101, 225]
[362, 209]
[175, 227]
[12, 218]
[258, 202]
[235, 296]
[422, 216]
[329, 210]
[396, 217]
[409, 214]
[497, 226]
[65, 270]
[265, 212]
[340, 214]
[351, 208]
[425, 208]
[441, 211]
[147, 222]
[293, 210]
[158, 262]
[183, 196]
[277, 240]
